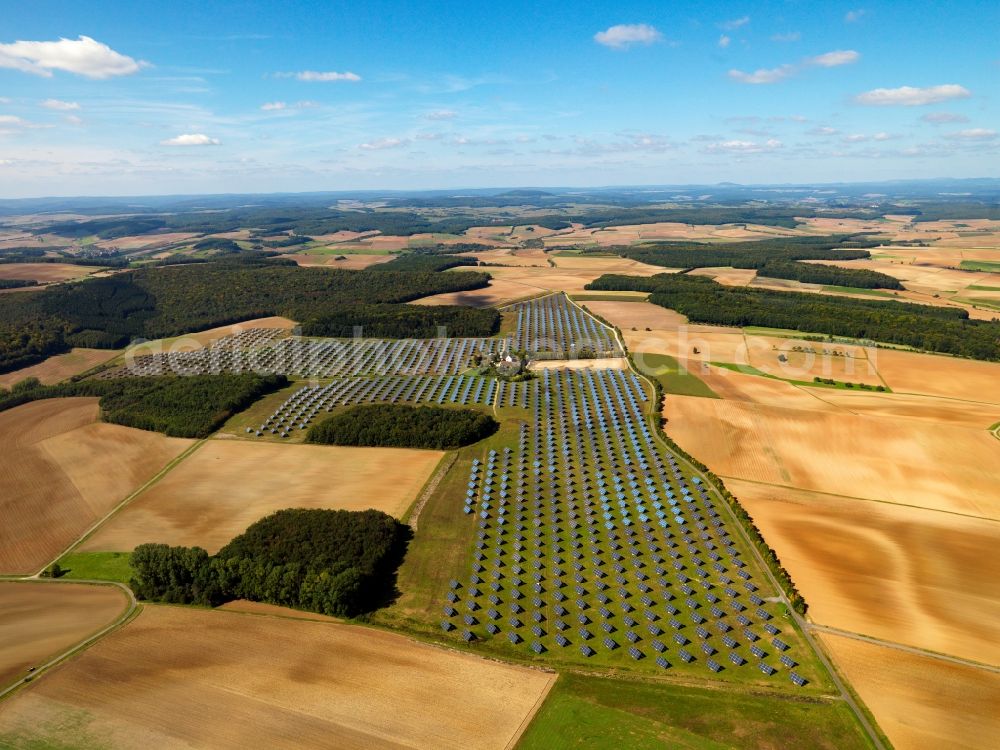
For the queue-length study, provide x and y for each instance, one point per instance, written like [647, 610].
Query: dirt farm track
[182, 678]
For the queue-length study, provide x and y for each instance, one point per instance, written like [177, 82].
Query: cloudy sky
[103, 98]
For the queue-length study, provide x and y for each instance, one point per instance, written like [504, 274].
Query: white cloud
[74, 120]
[60, 105]
[441, 114]
[852, 16]
[273, 106]
[823, 130]
[11, 120]
[743, 147]
[191, 139]
[83, 56]
[624, 35]
[773, 75]
[973, 134]
[938, 118]
[382, 143]
[763, 75]
[791, 36]
[724, 41]
[320, 76]
[911, 96]
[735, 23]
[855, 138]
[834, 59]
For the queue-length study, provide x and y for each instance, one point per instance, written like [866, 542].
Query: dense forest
[191, 407]
[400, 426]
[17, 283]
[320, 220]
[425, 262]
[335, 562]
[405, 321]
[159, 302]
[938, 329]
[777, 258]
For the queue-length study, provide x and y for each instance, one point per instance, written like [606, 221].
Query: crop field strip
[602, 547]
[547, 328]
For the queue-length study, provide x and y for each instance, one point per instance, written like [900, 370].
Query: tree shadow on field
[383, 590]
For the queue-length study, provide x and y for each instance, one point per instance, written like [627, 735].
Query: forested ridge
[938, 329]
[191, 407]
[421, 261]
[777, 258]
[160, 302]
[401, 426]
[335, 562]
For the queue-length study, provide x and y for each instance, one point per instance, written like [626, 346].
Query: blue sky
[103, 98]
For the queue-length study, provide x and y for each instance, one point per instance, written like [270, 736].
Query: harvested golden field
[634, 233]
[61, 366]
[911, 406]
[797, 359]
[139, 241]
[921, 702]
[193, 678]
[273, 610]
[507, 256]
[602, 265]
[627, 315]
[42, 620]
[499, 292]
[564, 279]
[61, 470]
[350, 262]
[887, 571]
[612, 363]
[938, 375]
[226, 485]
[728, 276]
[44, 273]
[938, 466]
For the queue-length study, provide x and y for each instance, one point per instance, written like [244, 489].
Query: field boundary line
[874, 736]
[413, 517]
[864, 499]
[128, 614]
[121, 505]
[530, 716]
[916, 650]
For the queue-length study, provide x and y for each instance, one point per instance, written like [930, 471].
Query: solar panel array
[554, 328]
[303, 406]
[590, 517]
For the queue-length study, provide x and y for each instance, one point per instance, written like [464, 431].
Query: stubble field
[42, 620]
[193, 678]
[228, 484]
[61, 470]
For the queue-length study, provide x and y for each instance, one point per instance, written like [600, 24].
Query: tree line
[776, 258]
[424, 262]
[334, 562]
[937, 329]
[190, 407]
[156, 302]
[401, 426]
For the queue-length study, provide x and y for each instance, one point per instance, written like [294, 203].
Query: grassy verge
[674, 378]
[600, 713]
[826, 383]
[610, 297]
[990, 266]
[99, 566]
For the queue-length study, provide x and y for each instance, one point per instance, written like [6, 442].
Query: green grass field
[992, 266]
[979, 288]
[101, 566]
[613, 714]
[672, 377]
